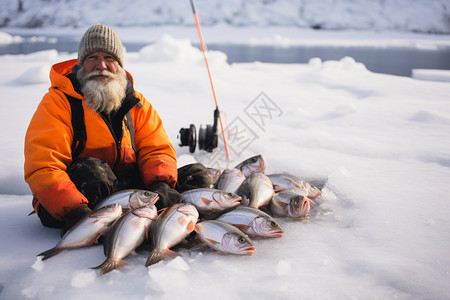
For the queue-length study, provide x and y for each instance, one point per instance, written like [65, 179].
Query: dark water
[395, 61]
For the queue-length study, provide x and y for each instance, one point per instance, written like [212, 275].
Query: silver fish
[253, 222]
[125, 235]
[224, 237]
[290, 204]
[286, 181]
[86, 231]
[230, 180]
[255, 164]
[169, 229]
[130, 199]
[256, 191]
[209, 201]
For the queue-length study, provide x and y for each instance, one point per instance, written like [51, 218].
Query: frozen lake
[389, 60]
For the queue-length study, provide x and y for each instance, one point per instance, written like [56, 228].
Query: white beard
[103, 95]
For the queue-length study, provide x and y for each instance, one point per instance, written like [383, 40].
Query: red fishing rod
[216, 112]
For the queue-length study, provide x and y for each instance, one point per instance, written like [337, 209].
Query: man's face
[100, 61]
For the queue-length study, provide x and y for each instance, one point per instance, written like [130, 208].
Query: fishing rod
[207, 136]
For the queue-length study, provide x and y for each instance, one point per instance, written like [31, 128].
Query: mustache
[100, 73]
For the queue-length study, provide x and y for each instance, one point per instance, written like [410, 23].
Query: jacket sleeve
[156, 155]
[48, 153]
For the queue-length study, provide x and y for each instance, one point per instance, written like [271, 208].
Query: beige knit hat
[100, 38]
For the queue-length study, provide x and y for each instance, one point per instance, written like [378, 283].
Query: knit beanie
[100, 38]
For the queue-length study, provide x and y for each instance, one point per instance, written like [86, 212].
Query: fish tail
[108, 265]
[50, 253]
[158, 255]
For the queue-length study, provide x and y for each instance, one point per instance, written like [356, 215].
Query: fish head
[226, 199]
[236, 243]
[313, 192]
[299, 206]
[148, 212]
[255, 164]
[266, 227]
[142, 198]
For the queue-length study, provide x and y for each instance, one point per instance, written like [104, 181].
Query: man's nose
[101, 64]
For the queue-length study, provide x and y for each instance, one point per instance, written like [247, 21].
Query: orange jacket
[49, 138]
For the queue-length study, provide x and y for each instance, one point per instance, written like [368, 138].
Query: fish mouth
[249, 250]
[276, 233]
[236, 201]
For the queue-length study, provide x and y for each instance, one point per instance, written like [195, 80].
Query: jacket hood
[59, 77]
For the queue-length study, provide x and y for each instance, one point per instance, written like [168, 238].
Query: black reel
[207, 136]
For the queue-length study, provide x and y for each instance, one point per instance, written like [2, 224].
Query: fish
[214, 174]
[170, 228]
[230, 180]
[86, 231]
[224, 237]
[130, 199]
[125, 235]
[290, 204]
[253, 222]
[256, 191]
[255, 164]
[208, 201]
[287, 181]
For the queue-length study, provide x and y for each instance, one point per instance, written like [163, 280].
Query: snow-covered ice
[378, 142]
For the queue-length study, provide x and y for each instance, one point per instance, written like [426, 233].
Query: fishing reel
[207, 136]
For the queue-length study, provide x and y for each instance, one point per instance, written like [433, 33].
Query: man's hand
[167, 195]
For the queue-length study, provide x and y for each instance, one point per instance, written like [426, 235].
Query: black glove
[74, 216]
[193, 176]
[93, 178]
[167, 195]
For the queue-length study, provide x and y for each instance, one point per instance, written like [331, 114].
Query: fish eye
[230, 195]
[147, 194]
[273, 224]
[254, 159]
[241, 240]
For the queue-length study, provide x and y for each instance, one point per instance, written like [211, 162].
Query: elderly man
[93, 134]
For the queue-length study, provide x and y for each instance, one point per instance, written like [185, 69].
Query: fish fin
[294, 183]
[170, 254]
[158, 255]
[191, 226]
[212, 241]
[50, 253]
[205, 200]
[154, 257]
[108, 265]
[280, 203]
[32, 213]
[241, 227]
[93, 222]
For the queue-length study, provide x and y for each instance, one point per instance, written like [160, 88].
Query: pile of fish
[226, 217]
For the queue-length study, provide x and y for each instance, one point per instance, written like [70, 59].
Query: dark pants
[95, 180]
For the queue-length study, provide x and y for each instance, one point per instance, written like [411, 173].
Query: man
[125, 144]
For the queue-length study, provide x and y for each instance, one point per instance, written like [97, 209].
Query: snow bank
[181, 51]
[6, 38]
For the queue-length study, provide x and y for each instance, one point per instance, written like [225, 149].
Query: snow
[378, 142]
